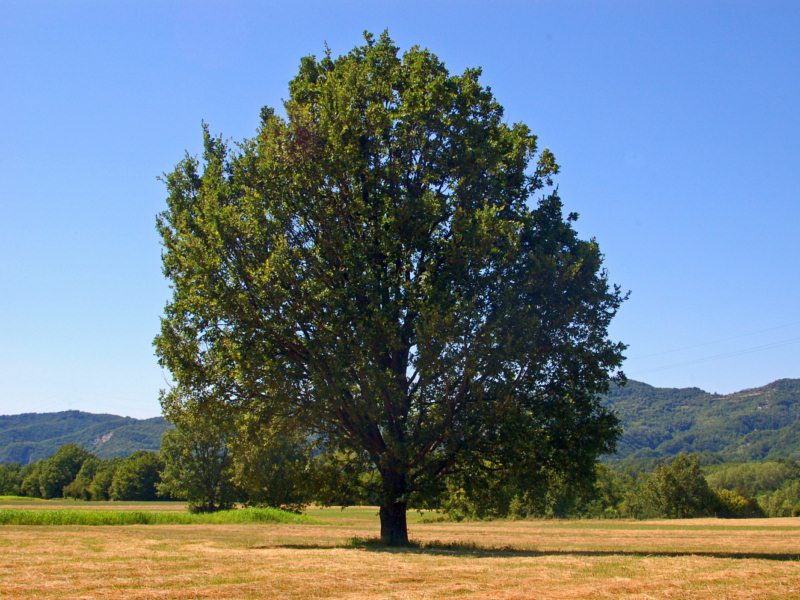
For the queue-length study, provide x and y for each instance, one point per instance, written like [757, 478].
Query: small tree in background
[675, 490]
[136, 477]
[29, 475]
[59, 470]
[100, 486]
[80, 486]
[197, 461]
[10, 479]
[273, 466]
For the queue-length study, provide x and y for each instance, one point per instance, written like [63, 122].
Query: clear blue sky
[677, 125]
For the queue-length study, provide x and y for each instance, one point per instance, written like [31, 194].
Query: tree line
[73, 472]
[680, 487]
[213, 467]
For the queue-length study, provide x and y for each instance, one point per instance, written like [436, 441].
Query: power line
[705, 359]
[718, 341]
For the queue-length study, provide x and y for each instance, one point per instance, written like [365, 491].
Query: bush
[733, 505]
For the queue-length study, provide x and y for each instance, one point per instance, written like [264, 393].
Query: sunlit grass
[19, 499]
[21, 502]
[337, 556]
[124, 517]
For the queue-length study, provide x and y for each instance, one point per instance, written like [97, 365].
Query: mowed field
[328, 558]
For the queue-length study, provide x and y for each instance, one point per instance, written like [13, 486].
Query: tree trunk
[394, 530]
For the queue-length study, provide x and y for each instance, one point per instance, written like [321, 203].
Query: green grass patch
[20, 499]
[12, 516]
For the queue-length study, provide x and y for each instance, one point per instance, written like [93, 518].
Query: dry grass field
[505, 559]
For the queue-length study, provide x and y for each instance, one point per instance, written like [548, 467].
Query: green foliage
[32, 437]
[387, 271]
[216, 456]
[29, 475]
[80, 486]
[136, 477]
[59, 470]
[197, 462]
[273, 466]
[676, 490]
[753, 479]
[606, 498]
[783, 502]
[100, 486]
[543, 494]
[10, 479]
[731, 504]
[124, 517]
[345, 479]
[770, 485]
[750, 425]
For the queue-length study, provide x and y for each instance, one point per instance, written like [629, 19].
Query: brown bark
[394, 529]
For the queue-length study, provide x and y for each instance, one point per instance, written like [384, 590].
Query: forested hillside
[30, 437]
[749, 425]
[657, 422]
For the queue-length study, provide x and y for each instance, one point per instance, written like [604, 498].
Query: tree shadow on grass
[462, 549]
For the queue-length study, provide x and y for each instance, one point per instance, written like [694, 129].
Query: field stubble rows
[503, 559]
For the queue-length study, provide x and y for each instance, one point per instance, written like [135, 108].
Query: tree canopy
[387, 269]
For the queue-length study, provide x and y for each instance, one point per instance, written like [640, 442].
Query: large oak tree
[388, 269]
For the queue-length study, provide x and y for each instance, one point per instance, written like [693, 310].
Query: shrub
[733, 505]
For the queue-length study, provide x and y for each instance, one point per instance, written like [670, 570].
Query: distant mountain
[657, 422]
[748, 425]
[33, 436]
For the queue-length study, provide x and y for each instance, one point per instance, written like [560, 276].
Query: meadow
[331, 554]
